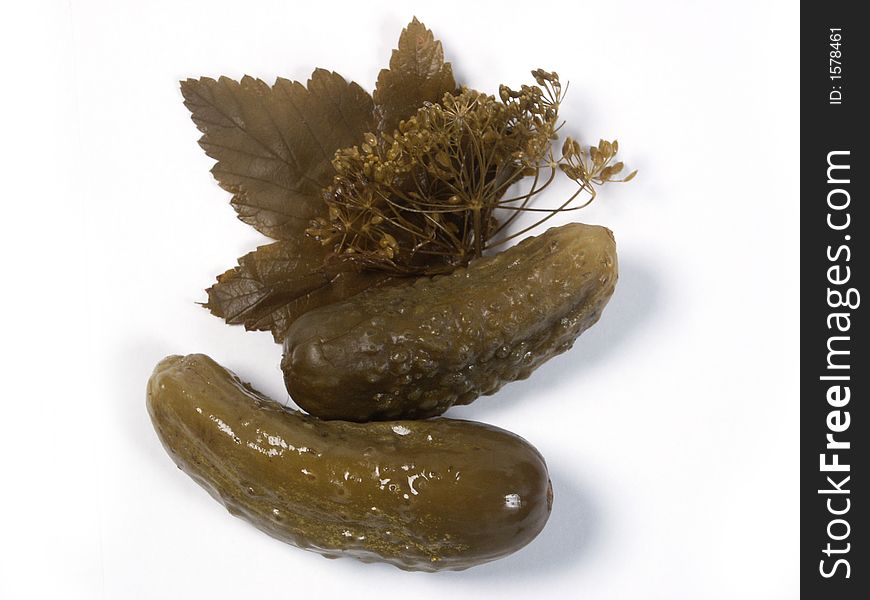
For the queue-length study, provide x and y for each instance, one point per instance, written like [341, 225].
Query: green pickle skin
[429, 495]
[414, 350]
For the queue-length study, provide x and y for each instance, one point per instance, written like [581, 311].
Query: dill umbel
[427, 197]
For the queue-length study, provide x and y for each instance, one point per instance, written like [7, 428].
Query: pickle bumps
[421, 495]
[414, 350]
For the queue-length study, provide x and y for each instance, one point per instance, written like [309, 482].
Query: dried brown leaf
[274, 145]
[276, 283]
[417, 74]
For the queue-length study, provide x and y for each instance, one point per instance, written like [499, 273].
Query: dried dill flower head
[422, 199]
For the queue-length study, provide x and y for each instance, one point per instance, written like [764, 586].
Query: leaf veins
[274, 145]
[276, 283]
[417, 74]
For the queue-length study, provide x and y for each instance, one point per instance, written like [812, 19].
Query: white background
[671, 429]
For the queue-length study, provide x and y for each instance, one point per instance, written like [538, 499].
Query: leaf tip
[186, 86]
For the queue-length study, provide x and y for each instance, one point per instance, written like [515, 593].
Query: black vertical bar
[835, 368]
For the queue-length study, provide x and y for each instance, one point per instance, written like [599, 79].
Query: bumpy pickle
[422, 495]
[415, 350]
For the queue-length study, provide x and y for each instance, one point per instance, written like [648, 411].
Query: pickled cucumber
[422, 495]
[414, 350]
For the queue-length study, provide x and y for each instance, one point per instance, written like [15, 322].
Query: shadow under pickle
[636, 299]
[571, 531]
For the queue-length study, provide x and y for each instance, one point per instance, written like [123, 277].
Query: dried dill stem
[422, 199]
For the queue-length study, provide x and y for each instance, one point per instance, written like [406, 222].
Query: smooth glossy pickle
[422, 495]
[414, 350]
